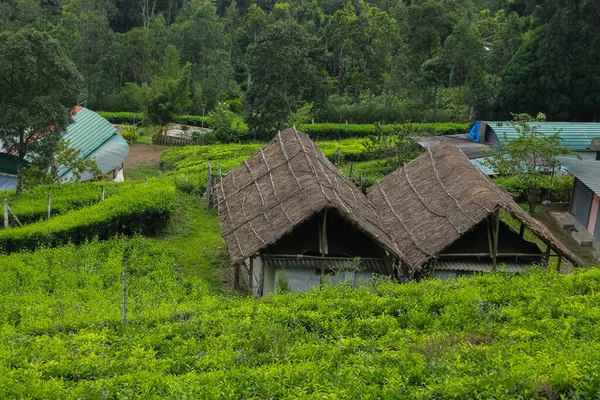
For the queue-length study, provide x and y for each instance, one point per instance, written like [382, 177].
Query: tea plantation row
[495, 336]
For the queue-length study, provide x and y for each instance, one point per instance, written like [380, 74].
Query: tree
[169, 93]
[283, 74]
[38, 88]
[528, 157]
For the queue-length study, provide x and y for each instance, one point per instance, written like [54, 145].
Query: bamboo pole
[496, 234]
[5, 213]
[48, 205]
[323, 244]
[251, 276]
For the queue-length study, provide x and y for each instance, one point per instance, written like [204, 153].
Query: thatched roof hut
[431, 202]
[288, 181]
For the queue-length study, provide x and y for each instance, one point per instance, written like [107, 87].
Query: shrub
[143, 209]
[557, 188]
[130, 133]
[344, 131]
[122, 117]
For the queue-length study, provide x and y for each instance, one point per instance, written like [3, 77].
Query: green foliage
[221, 119]
[494, 336]
[528, 157]
[143, 209]
[397, 147]
[342, 131]
[31, 205]
[130, 133]
[121, 117]
[553, 188]
[35, 100]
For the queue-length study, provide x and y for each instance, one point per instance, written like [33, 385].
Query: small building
[448, 219]
[577, 136]
[585, 198]
[289, 218]
[93, 136]
[96, 138]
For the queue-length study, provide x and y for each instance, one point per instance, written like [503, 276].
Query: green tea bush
[143, 209]
[31, 205]
[343, 131]
[130, 133]
[121, 117]
[492, 336]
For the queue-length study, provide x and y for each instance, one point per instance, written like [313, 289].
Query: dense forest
[330, 60]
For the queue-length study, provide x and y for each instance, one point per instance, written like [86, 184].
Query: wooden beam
[558, 263]
[261, 281]
[547, 254]
[251, 276]
[480, 255]
[496, 219]
[489, 236]
[522, 230]
[236, 276]
[323, 243]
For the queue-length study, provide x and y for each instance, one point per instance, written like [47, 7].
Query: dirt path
[143, 154]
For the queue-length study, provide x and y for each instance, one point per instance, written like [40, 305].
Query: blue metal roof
[577, 136]
[88, 133]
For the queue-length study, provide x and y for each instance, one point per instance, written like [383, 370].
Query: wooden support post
[48, 206]
[337, 156]
[261, 281]
[547, 254]
[220, 172]
[522, 230]
[209, 184]
[251, 276]
[558, 262]
[5, 213]
[323, 244]
[351, 171]
[496, 218]
[102, 192]
[236, 276]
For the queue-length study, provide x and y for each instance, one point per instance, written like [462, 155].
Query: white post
[102, 192]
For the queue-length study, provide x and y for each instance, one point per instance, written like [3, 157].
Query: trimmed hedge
[143, 209]
[31, 205]
[132, 117]
[344, 131]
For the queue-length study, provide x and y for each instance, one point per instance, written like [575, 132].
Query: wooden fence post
[48, 207]
[5, 213]
[209, 183]
[351, 171]
[337, 156]
[102, 192]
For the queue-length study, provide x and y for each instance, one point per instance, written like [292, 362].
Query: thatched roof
[432, 201]
[281, 186]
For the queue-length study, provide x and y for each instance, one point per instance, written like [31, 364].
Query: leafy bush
[130, 133]
[557, 188]
[122, 117]
[142, 209]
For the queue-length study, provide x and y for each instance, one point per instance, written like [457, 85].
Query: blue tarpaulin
[474, 133]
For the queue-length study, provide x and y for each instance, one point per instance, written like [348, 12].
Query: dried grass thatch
[282, 185]
[435, 199]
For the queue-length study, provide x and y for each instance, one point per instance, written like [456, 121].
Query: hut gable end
[434, 200]
[283, 184]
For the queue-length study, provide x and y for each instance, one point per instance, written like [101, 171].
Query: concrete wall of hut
[301, 279]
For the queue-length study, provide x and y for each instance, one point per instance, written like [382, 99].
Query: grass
[195, 235]
[142, 172]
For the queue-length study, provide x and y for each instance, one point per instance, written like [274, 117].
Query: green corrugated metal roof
[87, 133]
[575, 135]
[587, 171]
[479, 163]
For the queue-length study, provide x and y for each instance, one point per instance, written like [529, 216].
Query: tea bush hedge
[31, 205]
[494, 336]
[143, 209]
